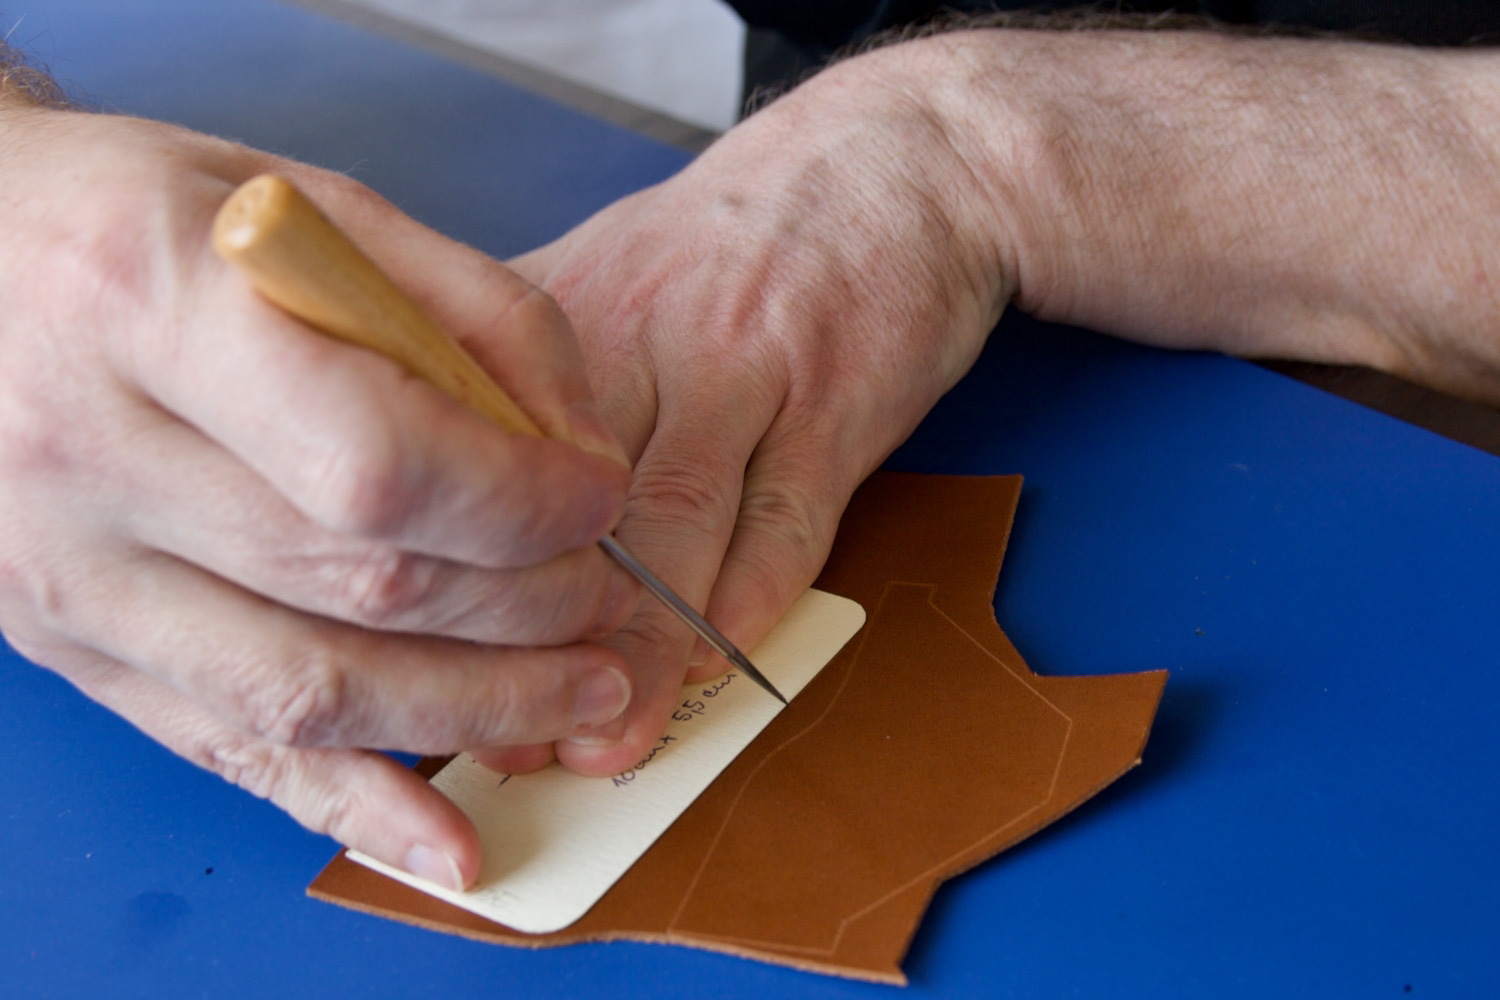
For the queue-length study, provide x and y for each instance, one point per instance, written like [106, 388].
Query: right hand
[270, 550]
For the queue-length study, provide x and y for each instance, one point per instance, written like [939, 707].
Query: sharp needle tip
[743, 662]
[684, 611]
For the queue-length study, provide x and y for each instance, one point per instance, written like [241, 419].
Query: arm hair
[23, 85]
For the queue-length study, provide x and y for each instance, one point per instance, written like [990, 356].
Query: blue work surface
[1313, 818]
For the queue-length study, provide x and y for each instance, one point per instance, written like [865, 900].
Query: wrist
[1027, 122]
[917, 95]
[1325, 200]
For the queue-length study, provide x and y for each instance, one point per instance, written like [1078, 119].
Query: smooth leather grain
[924, 748]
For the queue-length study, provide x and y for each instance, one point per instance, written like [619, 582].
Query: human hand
[766, 326]
[270, 550]
[763, 329]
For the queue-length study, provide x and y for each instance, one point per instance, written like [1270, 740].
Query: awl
[295, 257]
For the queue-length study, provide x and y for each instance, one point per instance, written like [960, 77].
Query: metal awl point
[693, 619]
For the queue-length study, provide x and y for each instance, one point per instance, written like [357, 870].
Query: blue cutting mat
[1315, 812]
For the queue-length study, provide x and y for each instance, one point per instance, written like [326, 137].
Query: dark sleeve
[828, 24]
[1425, 22]
[790, 38]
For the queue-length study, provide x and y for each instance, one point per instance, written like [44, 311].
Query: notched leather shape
[897, 705]
[924, 748]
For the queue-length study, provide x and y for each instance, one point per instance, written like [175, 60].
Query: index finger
[682, 511]
[515, 330]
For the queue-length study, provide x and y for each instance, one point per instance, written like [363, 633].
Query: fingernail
[601, 698]
[606, 735]
[591, 433]
[435, 866]
[699, 655]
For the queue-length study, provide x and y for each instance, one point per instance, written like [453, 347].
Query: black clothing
[831, 23]
[789, 36]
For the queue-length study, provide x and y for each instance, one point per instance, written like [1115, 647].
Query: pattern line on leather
[928, 815]
[854, 650]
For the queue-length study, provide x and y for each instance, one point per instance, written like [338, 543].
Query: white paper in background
[678, 56]
[554, 841]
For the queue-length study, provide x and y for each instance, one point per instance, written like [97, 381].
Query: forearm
[1268, 197]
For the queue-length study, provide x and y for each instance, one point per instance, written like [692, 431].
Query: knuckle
[31, 441]
[533, 309]
[338, 813]
[34, 599]
[787, 517]
[792, 541]
[280, 775]
[259, 768]
[382, 589]
[304, 704]
[49, 533]
[654, 631]
[35, 645]
[775, 576]
[678, 491]
[106, 260]
[502, 711]
[362, 489]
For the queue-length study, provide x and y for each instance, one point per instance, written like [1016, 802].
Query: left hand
[762, 330]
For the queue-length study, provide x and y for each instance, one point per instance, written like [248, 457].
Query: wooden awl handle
[302, 262]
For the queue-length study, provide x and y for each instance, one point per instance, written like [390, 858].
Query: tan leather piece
[924, 748]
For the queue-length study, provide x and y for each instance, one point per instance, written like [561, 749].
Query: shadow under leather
[1187, 713]
[1036, 391]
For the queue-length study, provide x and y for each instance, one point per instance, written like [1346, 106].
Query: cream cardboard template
[554, 842]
